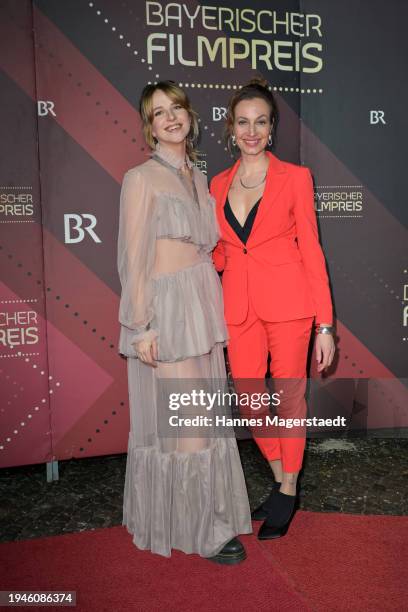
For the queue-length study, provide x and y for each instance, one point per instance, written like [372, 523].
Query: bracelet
[324, 329]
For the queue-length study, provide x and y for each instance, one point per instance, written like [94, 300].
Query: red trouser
[287, 342]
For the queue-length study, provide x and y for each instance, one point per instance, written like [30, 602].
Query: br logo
[45, 107]
[74, 228]
[377, 116]
[405, 310]
[219, 113]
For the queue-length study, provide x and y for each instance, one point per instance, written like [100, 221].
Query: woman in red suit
[275, 283]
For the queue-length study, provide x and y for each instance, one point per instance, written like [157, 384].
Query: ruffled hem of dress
[133, 355]
[188, 312]
[192, 502]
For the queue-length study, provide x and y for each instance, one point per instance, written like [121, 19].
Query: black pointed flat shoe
[232, 553]
[261, 512]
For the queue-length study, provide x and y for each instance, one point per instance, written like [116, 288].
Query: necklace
[252, 186]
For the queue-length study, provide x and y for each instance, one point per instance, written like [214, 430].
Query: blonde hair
[177, 95]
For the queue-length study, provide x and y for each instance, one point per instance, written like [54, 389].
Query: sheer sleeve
[136, 252]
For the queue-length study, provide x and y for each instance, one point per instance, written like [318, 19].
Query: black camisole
[242, 231]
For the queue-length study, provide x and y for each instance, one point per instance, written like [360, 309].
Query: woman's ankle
[288, 489]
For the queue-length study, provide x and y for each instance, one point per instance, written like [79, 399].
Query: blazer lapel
[275, 179]
[226, 228]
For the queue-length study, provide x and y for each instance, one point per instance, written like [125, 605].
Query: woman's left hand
[325, 350]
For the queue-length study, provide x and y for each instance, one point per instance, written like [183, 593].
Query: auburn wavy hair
[255, 88]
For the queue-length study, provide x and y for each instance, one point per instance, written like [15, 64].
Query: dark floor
[363, 476]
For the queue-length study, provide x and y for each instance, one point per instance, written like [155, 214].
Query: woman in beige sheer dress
[183, 490]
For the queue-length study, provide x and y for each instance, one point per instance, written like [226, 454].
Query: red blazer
[282, 267]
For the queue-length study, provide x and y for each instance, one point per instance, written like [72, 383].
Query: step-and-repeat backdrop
[71, 73]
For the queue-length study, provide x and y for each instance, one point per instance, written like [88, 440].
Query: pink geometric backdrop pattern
[71, 74]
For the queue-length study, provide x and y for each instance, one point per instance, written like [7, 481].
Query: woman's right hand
[146, 351]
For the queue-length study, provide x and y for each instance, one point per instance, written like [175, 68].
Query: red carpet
[344, 562]
[326, 562]
[110, 574]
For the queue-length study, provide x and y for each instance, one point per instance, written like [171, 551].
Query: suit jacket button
[245, 251]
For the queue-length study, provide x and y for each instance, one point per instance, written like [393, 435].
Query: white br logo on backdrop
[377, 116]
[405, 309]
[45, 107]
[73, 223]
[219, 113]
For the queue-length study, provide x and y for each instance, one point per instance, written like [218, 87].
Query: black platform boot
[232, 553]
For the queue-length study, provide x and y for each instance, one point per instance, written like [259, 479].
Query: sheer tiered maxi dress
[181, 492]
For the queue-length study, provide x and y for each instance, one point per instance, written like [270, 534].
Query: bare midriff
[173, 255]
